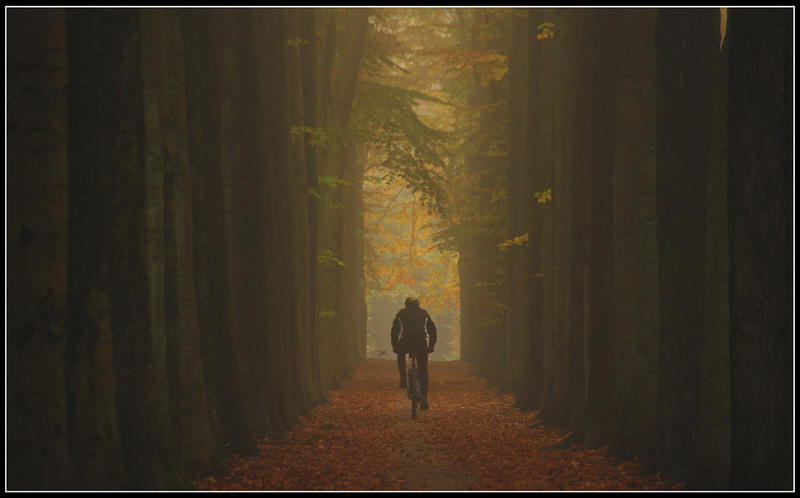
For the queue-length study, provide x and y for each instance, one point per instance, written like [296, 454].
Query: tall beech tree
[94, 429]
[685, 44]
[760, 230]
[636, 330]
[342, 52]
[604, 41]
[37, 248]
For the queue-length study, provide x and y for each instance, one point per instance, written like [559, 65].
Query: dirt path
[471, 438]
[424, 466]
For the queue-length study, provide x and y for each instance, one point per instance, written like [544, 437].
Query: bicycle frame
[414, 388]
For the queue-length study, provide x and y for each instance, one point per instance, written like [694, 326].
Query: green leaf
[328, 256]
[332, 181]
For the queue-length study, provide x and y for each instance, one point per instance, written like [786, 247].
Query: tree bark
[93, 428]
[577, 51]
[311, 89]
[332, 164]
[636, 327]
[685, 45]
[518, 187]
[760, 234]
[37, 230]
[712, 470]
[137, 255]
[534, 372]
[204, 106]
[300, 244]
[269, 31]
[605, 27]
[561, 207]
[185, 358]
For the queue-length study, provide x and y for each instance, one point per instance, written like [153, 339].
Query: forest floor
[471, 438]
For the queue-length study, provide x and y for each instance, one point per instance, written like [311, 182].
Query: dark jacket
[410, 326]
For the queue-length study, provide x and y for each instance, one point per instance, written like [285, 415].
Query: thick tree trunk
[575, 197]
[606, 27]
[360, 293]
[185, 359]
[246, 221]
[300, 244]
[269, 29]
[714, 418]
[204, 108]
[577, 51]
[542, 162]
[333, 361]
[561, 207]
[685, 45]
[137, 255]
[95, 452]
[636, 332]
[352, 273]
[533, 348]
[518, 188]
[760, 225]
[38, 206]
[310, 75]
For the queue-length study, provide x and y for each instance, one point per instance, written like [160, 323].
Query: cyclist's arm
[396, 326]
[431, 328]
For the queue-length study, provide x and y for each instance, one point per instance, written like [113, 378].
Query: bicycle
[414, 387]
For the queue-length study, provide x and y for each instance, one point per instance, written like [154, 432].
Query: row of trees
[174, 279]
[635, 281]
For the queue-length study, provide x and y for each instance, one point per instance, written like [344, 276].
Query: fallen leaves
[471, 438]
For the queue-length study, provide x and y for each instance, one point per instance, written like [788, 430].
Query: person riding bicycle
[410, 326]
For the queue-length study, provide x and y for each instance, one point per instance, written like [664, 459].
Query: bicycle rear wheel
[414, 390]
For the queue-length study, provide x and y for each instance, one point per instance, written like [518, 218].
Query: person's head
[412, 302]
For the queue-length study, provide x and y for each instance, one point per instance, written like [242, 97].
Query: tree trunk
[137, 255]
[352, 273]
[94, 438]
[309, 72]
[332, 164]
[636, 332]
[300, 244]
[185, 358]
[760, 216]
[37, 242]
[246, 221]
[542, 125]
[518, 187]
[605, 27]
[685, 45]
[269, 30]
[577, 52]
[561, 207]
[712, 470]
[534, 372]
[204, 106]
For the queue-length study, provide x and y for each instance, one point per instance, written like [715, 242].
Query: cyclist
[408, 334]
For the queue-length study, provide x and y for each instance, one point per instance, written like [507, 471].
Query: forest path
[471, 438]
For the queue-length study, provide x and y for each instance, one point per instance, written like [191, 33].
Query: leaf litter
[471, 438]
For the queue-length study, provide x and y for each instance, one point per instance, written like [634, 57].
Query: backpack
[413, 321]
